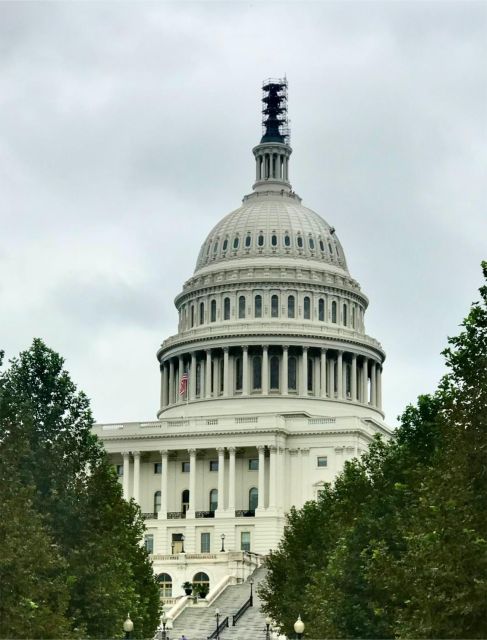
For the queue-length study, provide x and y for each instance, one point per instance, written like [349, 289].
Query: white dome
[272, 224]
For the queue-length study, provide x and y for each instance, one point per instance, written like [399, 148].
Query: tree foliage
[73, 545]
[398, 546]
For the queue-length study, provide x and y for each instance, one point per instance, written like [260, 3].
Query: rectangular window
[205, 543]
[119, 469]
[321, 461]
[254, 464]
[213, 465]
[245, 540]
[157, 467]
[185, 467]
[149, 543]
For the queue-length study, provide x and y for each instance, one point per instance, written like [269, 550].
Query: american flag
[183, 384]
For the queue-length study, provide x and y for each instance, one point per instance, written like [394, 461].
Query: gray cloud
[126, 133]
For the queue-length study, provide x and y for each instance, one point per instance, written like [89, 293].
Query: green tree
[48, 424]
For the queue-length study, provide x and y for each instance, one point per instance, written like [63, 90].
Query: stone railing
[242, 513]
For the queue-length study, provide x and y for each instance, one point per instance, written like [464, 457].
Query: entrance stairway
[197, 624]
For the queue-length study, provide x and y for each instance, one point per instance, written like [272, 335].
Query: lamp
[217, 614]
[251, 582]
[182, 540]
[163, 623]
[299, 627]
[128, 626]
[223, 542]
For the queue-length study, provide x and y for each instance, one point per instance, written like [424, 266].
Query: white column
[192, 484]
[192, 378]
[353, 390]
[365, 386]
[331, 379]
[379, 387]
[208, 373]
[202, 379]
[265, 370]
[171, 381]
[284, 378]
[316, 377]
[216, 368]
[163, 385]
[221, 481]
[164, 488]
[245, 370]
[261, 487]
[340, 374]
[126, 472]
[323, 373]
[231, 481]
[373, 398]
[305, 489]
[136, 455]
[273, 477]
[225, 371]
[304, 372]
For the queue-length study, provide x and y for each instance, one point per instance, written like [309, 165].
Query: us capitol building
[269, 385]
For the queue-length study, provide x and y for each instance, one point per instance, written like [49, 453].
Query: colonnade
[270, 487]
[272, 166]
[270, 370]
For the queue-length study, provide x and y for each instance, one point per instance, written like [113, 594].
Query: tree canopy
[397, 547]
[72, 562]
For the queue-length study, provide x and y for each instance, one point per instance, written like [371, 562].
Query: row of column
[365, 375]
[272, 166]
[276, 477]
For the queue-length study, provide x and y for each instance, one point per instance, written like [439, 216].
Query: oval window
[322, 246]
[225, 244]
[287, 241]
[300, 242]
[311, 243]
[248, 241]
[274, 241]
[260, 241]
[215, 247]
[235, 242]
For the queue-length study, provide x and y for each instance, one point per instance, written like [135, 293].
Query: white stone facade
[283, 386]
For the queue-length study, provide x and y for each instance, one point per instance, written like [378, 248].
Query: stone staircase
[197, 623]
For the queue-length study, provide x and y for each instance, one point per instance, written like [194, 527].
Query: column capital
[285, 347]
[340, 352]
[231, 450]
[192, 452]
[324, 349]
[125, 453]
[305, 349]
[225, 349]
[354, 356]
[261, 448]
[208, 351]
[135, 453]
[273, 448]
[164, 452]
[221, 451]
[265, 347]
[245, 347]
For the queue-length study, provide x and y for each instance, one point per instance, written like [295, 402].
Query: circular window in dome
[260, 240]
[235, 242]
[225, 244]
[311, 244]
[300, 242]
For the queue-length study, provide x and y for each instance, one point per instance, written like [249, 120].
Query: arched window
[322, 246]
[330, 249]
[235, 242]
[345, 315]
[274, 240]
[291, 374]
[215, 248]
[300, 242]
[274, 367]
[260, 240]
[192, 315]
[291, 307]
[311, 244]
[165, 585]
[256, 373]
[157, 501]
[307, 308]
[253, 499]
[208, 248]
[310, 373]
[198, 379]
[238, 374]
[334, 311]
[213, 311]
[275, 306]
[201, 579]
[185, 501]
[348, 380]
[226, 309]
[202, 312]
[321, 310]
[213, 500]
[287, 241]
[258, 306]
[241, 307]
[225, 244]
[248, 241]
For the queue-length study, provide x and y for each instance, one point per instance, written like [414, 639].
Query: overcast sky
[126, 132]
